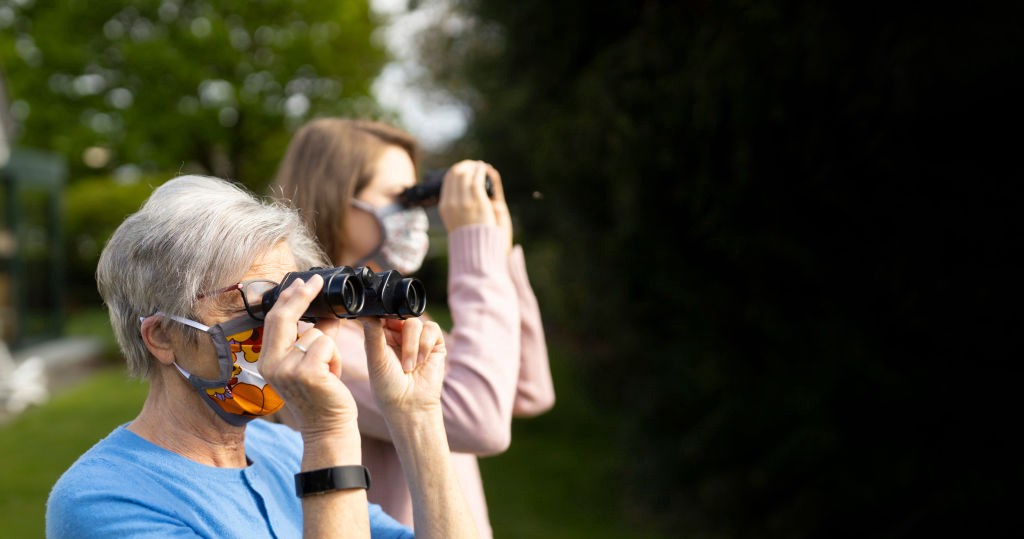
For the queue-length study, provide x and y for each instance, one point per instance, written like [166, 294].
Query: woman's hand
[406, 360]
[305, 369]
[406, 363]
[464, 200]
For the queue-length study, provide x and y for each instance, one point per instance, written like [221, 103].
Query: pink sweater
[497, 369]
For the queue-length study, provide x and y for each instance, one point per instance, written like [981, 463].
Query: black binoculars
[427, 192]
[352, 292]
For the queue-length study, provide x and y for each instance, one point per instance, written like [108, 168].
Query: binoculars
[427, 192]
[352, 292]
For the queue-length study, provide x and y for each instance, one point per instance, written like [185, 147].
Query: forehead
[392, 173]
[273, 264]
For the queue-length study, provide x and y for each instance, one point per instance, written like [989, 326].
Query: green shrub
[93, 209]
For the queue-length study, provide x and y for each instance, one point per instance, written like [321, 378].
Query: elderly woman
[182, 279]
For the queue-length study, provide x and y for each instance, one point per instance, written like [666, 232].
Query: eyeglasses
[252, 292]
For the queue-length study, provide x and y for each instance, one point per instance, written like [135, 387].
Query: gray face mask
[404, 240]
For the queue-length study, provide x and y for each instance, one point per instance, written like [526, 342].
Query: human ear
[157, 340]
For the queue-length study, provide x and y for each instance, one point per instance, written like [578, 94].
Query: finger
[322, 353]
[495, 176]
[281, 322]
[455, 181]
[279, 369]
[477, 180]
[373, 330]
[373, 336]
[431, 338]
[473, 180]
[412, 328]
[444, 193]
[498, 200]
[393, 324]
[392, 329]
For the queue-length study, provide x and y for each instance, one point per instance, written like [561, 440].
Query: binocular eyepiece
[352, 292]
[427, 192]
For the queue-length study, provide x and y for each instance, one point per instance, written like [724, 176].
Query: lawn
[38, 445]
[556, 481]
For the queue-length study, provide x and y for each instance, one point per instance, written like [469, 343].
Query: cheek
[362, 234]
[199, 357]
[196, 353]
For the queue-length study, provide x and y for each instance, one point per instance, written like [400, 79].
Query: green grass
[37, 446]
[556, 481]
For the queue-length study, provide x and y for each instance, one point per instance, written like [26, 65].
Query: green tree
[182, 85]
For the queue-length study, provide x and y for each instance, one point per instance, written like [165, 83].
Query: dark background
[781, 235]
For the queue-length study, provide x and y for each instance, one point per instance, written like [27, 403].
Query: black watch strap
[328, 479]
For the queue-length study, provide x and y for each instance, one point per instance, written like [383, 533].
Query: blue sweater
[127, 487]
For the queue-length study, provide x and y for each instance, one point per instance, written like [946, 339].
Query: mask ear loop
[186, 374]
[186, 321]
[219, 343]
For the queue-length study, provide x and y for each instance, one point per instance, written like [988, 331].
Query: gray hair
[192, 235]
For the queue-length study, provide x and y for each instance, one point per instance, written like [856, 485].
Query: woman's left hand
[464, 200]
[406, 363]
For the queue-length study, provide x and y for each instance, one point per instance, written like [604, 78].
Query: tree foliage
[183, 84]
[788, 227]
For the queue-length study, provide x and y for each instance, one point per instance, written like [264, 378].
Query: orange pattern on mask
[251, 400]
[239, 397]
[224, 392]
[249, 342]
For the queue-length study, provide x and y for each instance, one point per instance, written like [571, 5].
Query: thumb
[375, 344]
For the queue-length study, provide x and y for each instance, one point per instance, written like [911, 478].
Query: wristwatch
[329, 479]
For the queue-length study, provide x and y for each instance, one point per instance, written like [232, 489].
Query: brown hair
[328, 162]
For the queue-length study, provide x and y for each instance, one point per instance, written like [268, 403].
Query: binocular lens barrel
[341, 297]
[344, 291]
[411, 297]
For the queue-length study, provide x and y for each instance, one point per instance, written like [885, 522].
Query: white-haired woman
[182, 279]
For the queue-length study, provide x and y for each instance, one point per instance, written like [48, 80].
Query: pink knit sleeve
[485, 382]
[483, 347]
[535, 392]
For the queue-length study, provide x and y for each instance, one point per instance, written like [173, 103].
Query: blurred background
[773, 241]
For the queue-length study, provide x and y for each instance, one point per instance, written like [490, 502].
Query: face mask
[240, 394]
[404, 241]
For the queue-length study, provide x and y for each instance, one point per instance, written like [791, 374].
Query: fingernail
[408, 365]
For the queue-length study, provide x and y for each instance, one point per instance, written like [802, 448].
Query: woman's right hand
[464, 200]
[305, 369]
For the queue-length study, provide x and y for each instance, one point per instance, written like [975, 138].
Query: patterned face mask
[240, 394]
[404, 241]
